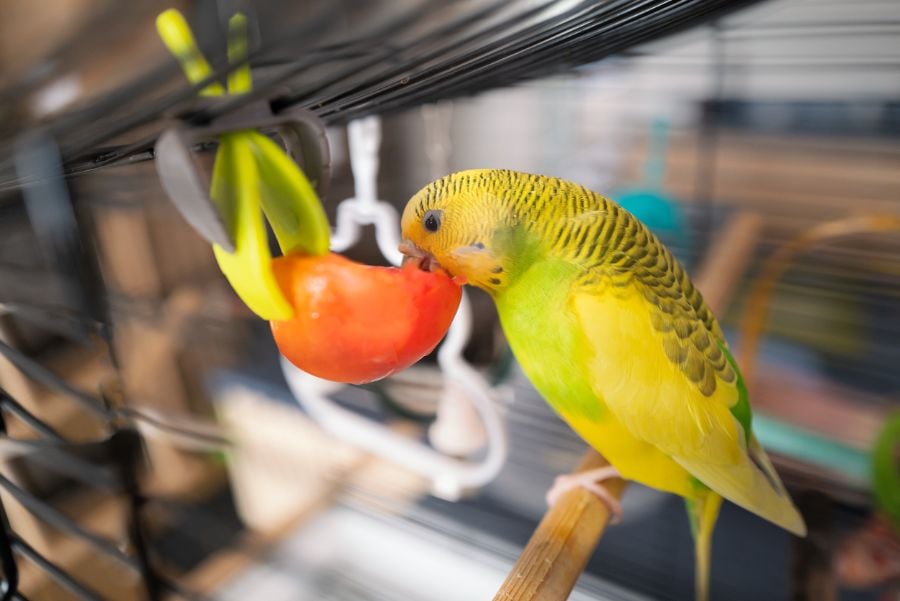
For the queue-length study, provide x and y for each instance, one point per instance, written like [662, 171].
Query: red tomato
[356, 323]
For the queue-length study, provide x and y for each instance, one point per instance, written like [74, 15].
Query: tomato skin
[357, 323]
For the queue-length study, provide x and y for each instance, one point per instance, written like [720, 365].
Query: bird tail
[703, 511]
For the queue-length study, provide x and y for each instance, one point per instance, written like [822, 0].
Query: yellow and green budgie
[610, 330]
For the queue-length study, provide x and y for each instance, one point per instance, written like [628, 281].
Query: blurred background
[153, 446]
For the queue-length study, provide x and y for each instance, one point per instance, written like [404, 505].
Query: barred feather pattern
[615, 251]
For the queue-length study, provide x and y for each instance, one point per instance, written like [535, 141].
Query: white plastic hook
[365, 208]
[465, 389]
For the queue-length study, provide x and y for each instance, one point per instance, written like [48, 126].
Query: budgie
[610, 330]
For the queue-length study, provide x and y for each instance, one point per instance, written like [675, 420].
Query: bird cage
[157, 445]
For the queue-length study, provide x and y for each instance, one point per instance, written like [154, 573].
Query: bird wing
[658, 360]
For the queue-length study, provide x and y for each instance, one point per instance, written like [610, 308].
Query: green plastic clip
[886, 468]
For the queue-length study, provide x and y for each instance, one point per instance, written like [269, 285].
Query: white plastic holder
[467, 420]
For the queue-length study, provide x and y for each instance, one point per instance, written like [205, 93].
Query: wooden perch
[563, 542]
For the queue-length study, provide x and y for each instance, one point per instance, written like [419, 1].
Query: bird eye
[432, 221]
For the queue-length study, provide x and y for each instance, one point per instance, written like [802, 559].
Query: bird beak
[412, 253]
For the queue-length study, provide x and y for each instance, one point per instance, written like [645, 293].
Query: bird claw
[590, 481]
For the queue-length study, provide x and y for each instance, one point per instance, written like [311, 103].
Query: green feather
[740, 410]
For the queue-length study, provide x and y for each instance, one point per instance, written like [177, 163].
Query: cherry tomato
[357, 323]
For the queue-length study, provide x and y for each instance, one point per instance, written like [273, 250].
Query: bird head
[453, 224]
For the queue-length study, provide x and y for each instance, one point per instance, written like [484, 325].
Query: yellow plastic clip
[250, 173]
[176, 35]
[239, 79]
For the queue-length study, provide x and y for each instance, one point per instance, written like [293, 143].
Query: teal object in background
[782, 438]
[813, 448]
[646, 201]
[661, 214]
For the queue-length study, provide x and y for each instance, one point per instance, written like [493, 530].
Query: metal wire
[472, 46]
[116, 473]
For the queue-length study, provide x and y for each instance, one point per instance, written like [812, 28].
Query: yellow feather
[647, 391]
[703, 512]
[657, 403]
[745, 485]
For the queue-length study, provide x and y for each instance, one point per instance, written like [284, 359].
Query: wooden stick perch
[563, 542]
[569, 532]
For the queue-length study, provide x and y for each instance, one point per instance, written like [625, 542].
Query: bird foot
[589, 480]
